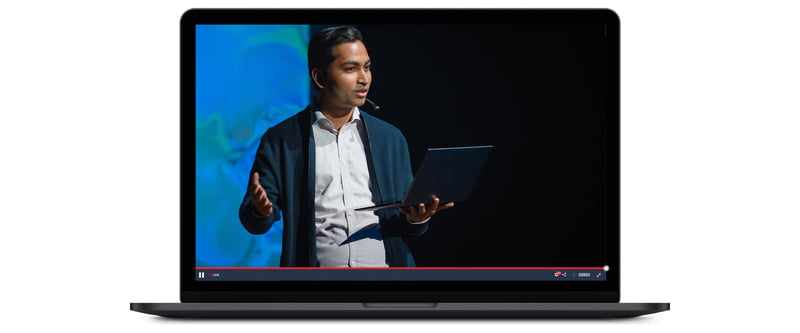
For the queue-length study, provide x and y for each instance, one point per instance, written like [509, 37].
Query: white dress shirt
[344, 237]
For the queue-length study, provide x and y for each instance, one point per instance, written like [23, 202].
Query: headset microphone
[374, 106]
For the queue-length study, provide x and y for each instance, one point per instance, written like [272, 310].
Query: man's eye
[349, 69]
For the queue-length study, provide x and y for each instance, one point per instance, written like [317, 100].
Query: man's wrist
[420, 222]
[256, 213]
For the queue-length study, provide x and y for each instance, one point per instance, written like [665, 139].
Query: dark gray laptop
[535, 229]
[448, 174]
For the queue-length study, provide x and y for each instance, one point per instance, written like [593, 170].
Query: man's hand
[260, 201]
[420, 213]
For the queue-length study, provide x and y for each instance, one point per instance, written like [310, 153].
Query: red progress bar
[520, 268]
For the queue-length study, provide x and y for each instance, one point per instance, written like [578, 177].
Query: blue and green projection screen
[240, 94]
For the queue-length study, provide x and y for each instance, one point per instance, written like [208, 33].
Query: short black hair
[320, 47]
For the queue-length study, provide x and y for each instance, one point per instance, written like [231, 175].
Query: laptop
[539, 236]
[446, 173]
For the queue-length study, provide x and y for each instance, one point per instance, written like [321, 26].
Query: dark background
[535, 92]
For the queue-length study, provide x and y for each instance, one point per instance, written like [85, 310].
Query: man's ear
[318, 78]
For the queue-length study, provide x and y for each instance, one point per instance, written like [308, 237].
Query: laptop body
[448, 174]
[547, 100]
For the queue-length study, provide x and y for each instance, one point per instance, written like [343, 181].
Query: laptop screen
[288, 143]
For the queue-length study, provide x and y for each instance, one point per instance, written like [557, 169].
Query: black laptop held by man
[447, 173]
[540, 86]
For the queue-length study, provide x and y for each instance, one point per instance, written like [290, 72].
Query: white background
[89, 168]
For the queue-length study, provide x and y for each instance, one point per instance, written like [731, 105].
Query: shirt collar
[327, 124]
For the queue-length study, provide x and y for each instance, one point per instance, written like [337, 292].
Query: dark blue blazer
[285, 162]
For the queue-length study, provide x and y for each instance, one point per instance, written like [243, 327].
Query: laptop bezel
[390, 291]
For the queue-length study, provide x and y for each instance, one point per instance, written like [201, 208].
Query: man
[316, 167]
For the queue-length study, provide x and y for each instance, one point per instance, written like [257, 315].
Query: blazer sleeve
[267, 166]
[404, 176]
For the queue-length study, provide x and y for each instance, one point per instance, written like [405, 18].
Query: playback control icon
[579, 274]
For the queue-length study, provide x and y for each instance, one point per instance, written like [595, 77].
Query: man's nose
[363, 76]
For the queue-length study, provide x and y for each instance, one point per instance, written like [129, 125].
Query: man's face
[350, 76]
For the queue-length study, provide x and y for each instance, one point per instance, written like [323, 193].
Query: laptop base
[399, 310]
